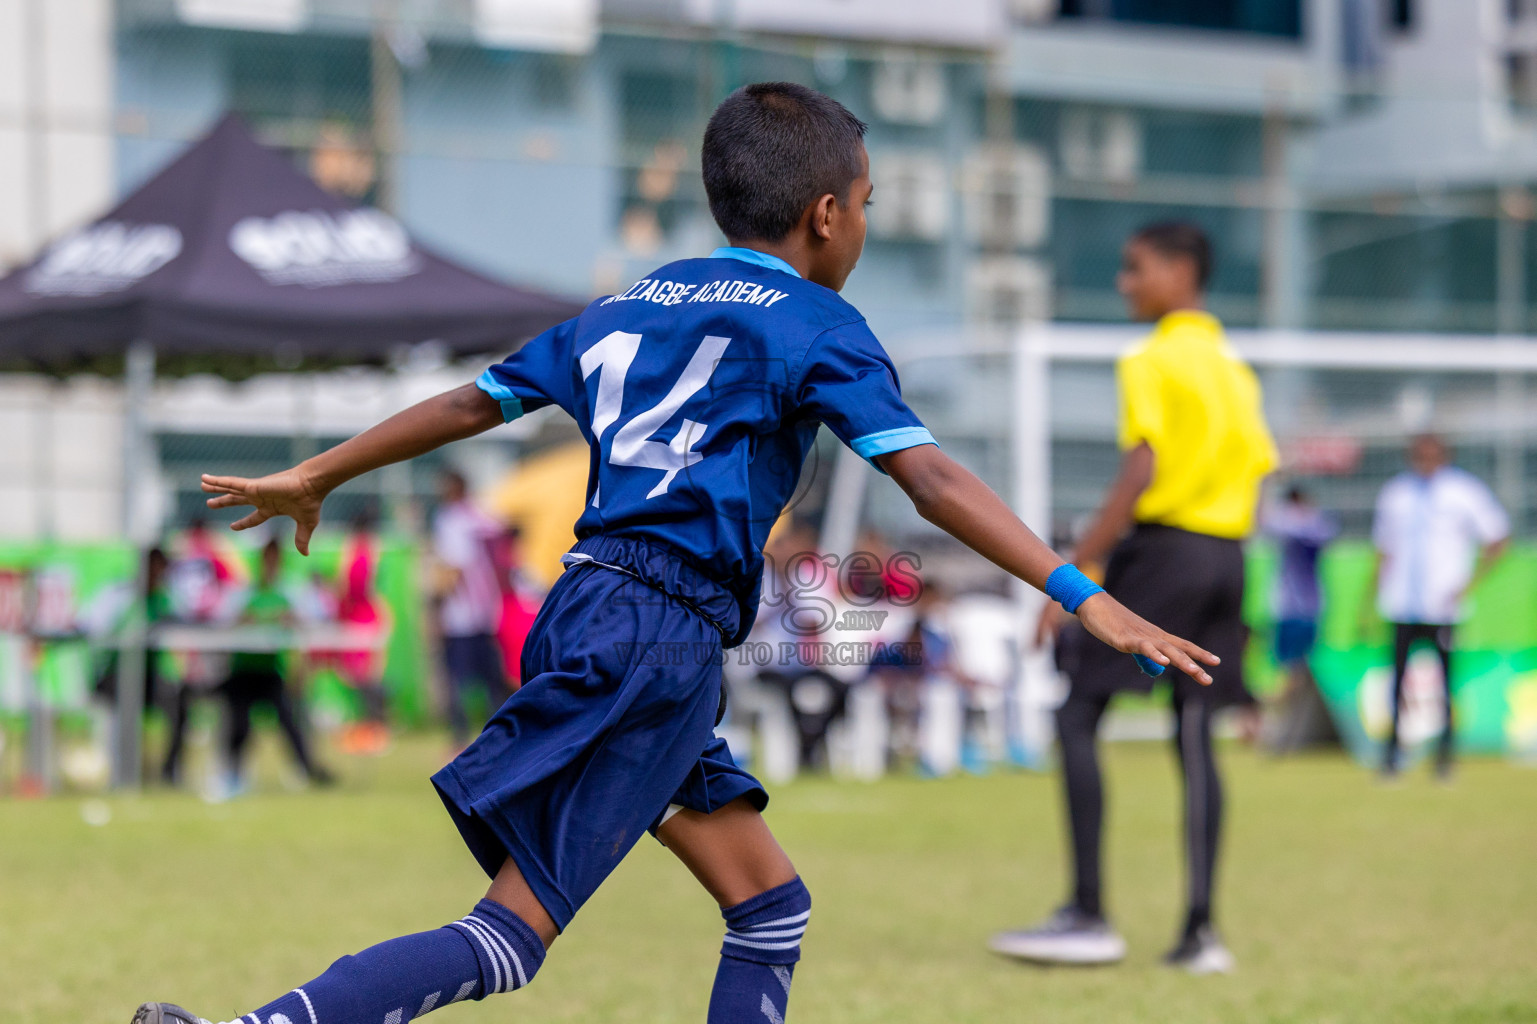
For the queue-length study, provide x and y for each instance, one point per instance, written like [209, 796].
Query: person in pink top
[470, 606]
[359, 608]
[520, 603]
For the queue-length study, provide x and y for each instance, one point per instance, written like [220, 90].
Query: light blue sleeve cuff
[884, 442]
[512, 405]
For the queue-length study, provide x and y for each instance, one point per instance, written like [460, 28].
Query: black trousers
[1077, 729]
[178, 708]
[473, 661]
[246, 689]
[1405, 636]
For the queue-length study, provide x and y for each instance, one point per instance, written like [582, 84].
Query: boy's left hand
[1122, 629]
[289, 493]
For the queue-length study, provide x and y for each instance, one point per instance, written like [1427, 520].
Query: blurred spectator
[205, 572]
[359, 609]
[205, 576]
[520, 604]
[159, 692]
[798, 607]
[256, 677]
[1302, 530]
[470, 601]
[543, 497]
[1438, 531]
[925, 692]
[895, 581]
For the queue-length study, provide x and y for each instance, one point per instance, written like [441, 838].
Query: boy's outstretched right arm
[299, 492]
[952, 498]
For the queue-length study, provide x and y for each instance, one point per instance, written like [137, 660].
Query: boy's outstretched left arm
[952, 498]
[299, 492]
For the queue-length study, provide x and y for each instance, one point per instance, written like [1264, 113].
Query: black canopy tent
[231, 252]
[230, 259]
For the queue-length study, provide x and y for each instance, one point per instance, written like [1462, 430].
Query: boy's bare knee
[512, 891]
[731, 851]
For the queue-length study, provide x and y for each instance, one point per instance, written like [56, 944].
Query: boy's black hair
[1180, 238]
[772, 149]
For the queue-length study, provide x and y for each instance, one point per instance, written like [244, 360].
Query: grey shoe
[1068, 937]
[166, 1013]
[1201, 952]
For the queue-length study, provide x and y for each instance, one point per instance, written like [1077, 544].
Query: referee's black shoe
[166, 1013]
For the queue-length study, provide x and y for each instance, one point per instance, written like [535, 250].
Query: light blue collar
[762, 259]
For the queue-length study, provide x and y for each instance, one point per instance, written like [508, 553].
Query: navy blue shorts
[614, 723]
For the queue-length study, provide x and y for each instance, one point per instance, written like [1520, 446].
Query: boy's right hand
[1128, 632]
[290, 493]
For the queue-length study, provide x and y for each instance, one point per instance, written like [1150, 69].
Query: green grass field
[1343, 900]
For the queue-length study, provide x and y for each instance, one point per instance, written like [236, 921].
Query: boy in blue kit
[700, 390]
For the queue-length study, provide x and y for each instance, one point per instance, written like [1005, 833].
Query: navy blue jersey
[699, 390]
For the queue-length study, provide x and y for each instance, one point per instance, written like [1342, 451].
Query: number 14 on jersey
[632, 444]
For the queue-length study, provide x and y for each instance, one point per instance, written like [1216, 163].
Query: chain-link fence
[580, 171]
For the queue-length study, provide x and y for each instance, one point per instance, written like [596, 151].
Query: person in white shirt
[1438, 531]
[471, 601]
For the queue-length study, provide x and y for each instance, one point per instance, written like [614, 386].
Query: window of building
[659, 121]
[300, 78]
[312, 97]
[1521, 82]
[1264, 17]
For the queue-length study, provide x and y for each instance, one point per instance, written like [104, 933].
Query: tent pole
[139, 379]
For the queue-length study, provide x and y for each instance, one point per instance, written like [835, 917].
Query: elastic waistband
[662, 567]
[1165, 530]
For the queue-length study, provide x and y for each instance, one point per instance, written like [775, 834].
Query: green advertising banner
[49, 593]
[1494, 674]
[1494, 671]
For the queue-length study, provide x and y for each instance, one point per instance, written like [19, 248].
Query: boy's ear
[822, 216]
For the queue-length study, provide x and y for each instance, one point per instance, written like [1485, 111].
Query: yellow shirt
[1197, 405]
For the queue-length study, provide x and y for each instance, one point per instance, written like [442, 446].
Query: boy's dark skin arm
[298, 492]
[952, 498]
[942, 491]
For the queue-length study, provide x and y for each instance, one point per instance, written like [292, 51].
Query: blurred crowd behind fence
[1364, 167]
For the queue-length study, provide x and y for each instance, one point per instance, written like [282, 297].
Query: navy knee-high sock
[491, 950]
[757, 960]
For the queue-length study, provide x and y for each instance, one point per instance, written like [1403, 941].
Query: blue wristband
[1070, 588]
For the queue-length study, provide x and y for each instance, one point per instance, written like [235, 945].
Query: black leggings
[244, 690]
[1077, 728]
[1405, 636]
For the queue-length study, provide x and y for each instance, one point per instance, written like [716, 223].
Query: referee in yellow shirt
[1195, 449]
